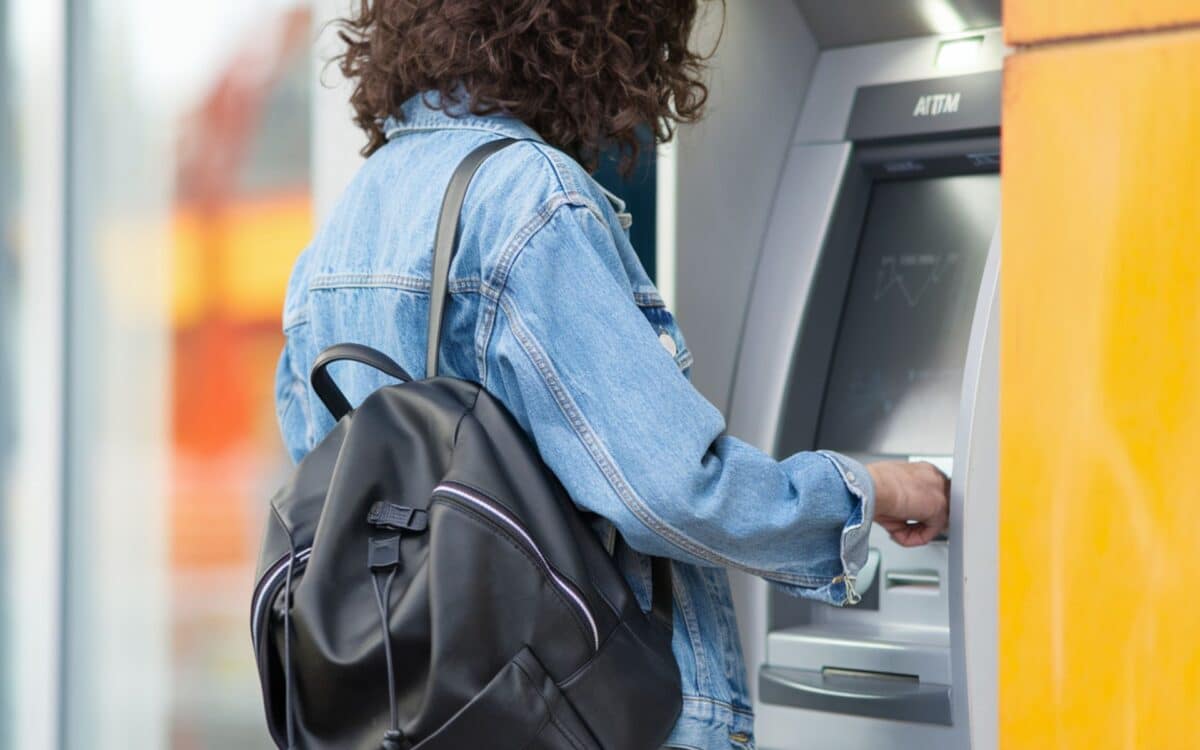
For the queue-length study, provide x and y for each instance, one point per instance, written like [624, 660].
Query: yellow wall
[1100, 382]
[1028, 21]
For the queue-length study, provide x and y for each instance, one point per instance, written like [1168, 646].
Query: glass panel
[190, 200]
[9, 176]
[31, 296]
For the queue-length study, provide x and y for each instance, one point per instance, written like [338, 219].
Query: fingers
[912, 500]
[915, 535]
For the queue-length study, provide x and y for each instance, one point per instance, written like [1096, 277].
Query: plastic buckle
[397, 517]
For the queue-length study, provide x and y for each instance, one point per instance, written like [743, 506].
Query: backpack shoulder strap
[445, 243]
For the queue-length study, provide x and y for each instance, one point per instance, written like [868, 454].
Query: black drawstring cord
[384, 555]
[383, 599]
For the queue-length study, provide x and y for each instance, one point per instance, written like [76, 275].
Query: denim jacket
[552, 312]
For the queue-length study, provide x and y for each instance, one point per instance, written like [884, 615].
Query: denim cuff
[857, 531]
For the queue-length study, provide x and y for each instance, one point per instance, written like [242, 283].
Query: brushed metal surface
[974, 516]
[921, 652]
[851, 22]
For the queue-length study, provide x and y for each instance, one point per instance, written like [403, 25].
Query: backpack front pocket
[520, 709]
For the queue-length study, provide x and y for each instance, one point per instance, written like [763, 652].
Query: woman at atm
[552, 312]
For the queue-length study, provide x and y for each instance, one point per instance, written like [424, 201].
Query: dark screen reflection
[897, 367]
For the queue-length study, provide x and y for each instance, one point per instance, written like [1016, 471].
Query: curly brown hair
[585, 74]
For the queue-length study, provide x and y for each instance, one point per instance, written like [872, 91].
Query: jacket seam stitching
[494, 288]
[292, 323]
[687, 611]
[648, 299]
[509, 256]
[625, 492]
[569, 186]
[389, 281]
[749, 713]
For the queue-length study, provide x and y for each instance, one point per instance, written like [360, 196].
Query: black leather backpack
[425, 581]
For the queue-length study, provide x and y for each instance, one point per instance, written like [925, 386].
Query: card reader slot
[922, 578]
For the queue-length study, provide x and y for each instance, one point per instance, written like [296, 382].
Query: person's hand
[912, 500]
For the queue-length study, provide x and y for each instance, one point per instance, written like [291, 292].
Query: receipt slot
[872, 331]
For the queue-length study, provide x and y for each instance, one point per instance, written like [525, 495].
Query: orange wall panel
[235, 259]
[1029, 21]
[1100, 395]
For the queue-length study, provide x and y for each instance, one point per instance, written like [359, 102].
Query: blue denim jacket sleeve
[633, 440]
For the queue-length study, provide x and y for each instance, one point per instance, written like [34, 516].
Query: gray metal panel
[842, 23]
[728, 169]
[791, 728]
[918, 651]
[933, 105]
[801, 220]
[840, 73]
[973, 561]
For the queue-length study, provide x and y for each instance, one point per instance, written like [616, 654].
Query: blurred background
[156, 188]
[156, 183]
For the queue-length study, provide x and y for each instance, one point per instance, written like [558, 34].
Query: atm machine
[872, 330]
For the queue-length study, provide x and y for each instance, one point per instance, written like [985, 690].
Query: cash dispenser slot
[863, 670]
[881, 696]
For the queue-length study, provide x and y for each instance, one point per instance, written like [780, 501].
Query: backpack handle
[327, 390]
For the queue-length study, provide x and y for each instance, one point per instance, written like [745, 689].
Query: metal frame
[974, 623]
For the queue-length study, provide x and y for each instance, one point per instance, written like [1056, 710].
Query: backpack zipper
[268, 589]
[479, 502]
[273, 579]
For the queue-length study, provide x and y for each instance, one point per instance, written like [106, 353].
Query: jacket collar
[421, 113]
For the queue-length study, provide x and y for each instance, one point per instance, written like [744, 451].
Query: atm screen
[897, 366]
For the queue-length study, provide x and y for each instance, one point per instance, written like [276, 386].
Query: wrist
[885, 494]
